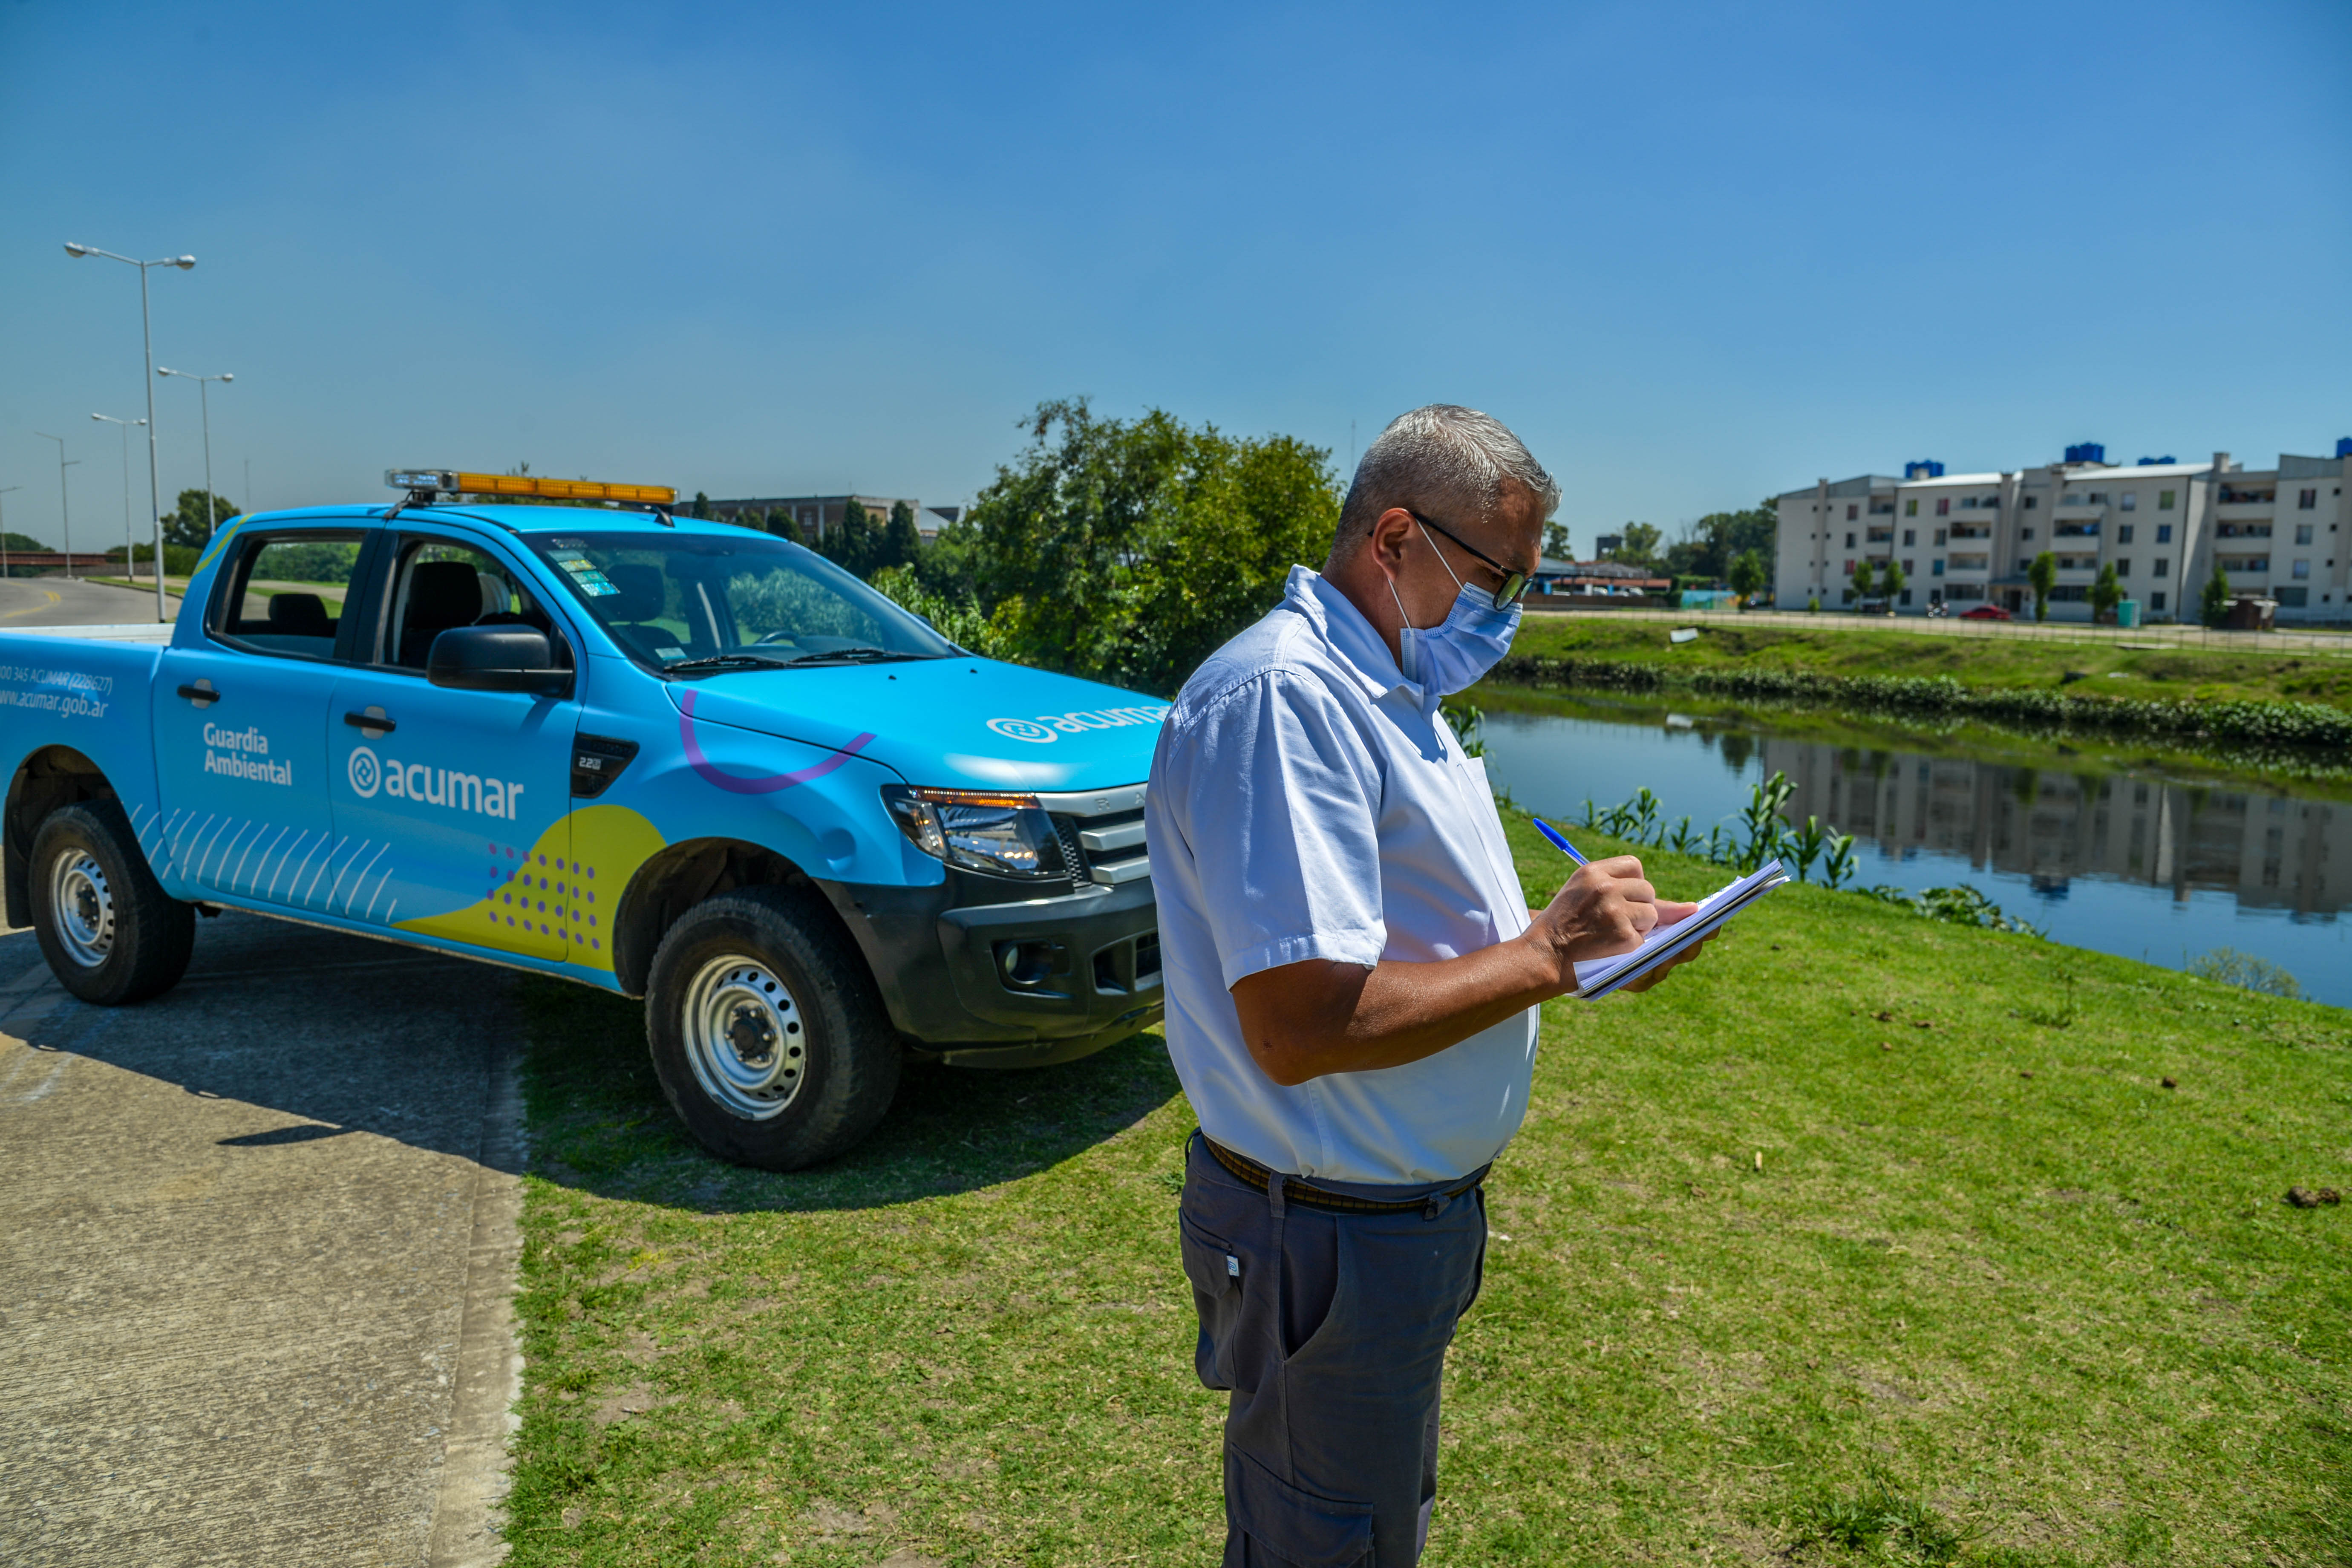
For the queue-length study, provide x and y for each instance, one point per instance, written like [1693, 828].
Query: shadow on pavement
[338, 1034]
[599, 1121]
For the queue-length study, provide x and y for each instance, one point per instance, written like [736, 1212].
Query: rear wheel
[766, 1032]
[109, 932]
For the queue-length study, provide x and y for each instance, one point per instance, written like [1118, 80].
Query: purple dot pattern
[512, 896]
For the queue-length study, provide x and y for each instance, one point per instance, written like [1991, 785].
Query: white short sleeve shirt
[1304, 805]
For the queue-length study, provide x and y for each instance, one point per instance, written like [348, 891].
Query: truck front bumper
[1027, 982]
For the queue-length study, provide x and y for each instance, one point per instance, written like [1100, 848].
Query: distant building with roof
[1596, 579]
[2283, 533]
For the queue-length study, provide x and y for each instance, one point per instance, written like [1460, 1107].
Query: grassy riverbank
[1782, 642]
[1790, 1250]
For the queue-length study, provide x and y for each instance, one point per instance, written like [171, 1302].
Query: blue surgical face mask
[1454, 655]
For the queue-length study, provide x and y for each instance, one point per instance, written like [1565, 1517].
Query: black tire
[125, 939]
[766, 1031]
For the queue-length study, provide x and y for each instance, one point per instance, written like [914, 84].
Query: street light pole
[4, 537]
[130, 555]
[203, 402]
[64, 506]
[147, 332]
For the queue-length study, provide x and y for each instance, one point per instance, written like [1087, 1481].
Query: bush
[2228, 966]
[1126, 550]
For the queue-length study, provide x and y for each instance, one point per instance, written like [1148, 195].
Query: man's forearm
[1346, 1018]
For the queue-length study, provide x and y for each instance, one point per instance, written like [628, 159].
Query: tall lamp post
[130, 556]
[4, 537]
[147, 333]
[64, 507]
[204, 401]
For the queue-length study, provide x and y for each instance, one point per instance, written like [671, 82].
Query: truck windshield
[698, 602]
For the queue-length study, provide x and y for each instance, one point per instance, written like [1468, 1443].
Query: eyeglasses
[1514, 584]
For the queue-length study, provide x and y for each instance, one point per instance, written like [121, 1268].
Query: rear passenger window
[440, 584]
[286, 592]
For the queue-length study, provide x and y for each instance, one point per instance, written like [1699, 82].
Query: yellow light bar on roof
[458, 482]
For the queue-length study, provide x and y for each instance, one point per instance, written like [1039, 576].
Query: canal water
[2149, 868]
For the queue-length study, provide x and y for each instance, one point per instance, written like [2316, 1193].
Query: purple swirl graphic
[767, 784]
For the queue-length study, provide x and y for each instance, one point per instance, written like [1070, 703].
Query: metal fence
[2335, 640]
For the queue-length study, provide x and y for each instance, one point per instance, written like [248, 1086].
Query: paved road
[56, 601]
[256, 1248]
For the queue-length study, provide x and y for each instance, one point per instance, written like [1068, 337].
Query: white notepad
[1596, 977]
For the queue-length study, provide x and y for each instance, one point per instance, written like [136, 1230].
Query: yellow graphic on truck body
[550, 901]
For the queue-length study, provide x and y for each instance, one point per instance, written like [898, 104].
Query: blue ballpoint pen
[1562, 844]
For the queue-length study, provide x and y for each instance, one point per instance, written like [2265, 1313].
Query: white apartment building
[2282, 533]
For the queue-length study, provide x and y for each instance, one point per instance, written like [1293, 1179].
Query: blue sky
[1693, 254]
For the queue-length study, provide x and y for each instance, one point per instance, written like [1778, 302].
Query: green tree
[1639, 547]
[1556, 544]
[1891, 583]
[785, 526]
[185, 524]
[901, 540]
[1709, 546]
[1748, 575]
[2105, 593]
[2043, 575]
[701, 507]
[2213, 604]
[1129, 550]
[1862, 581]
[22, 544]
[851, 543]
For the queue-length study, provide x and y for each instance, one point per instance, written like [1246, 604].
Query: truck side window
[440, 584]
[284, 593]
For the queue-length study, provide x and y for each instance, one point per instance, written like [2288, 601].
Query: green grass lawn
[1992, 661]
[1865, 1239]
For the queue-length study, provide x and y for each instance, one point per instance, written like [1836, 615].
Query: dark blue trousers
[1330, 1331]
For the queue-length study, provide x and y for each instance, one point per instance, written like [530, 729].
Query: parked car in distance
[1987, 612]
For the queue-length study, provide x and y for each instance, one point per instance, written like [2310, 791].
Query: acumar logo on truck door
[432, 785]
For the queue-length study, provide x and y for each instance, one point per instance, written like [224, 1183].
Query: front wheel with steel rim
[766, 1031]
[109, 930]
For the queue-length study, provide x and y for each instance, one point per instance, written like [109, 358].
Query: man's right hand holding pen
[1606, 909]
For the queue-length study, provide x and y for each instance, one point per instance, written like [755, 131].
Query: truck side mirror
[497, 658]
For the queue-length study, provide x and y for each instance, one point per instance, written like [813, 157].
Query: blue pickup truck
[680, 760]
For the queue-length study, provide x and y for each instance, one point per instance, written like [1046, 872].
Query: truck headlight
[981, 830]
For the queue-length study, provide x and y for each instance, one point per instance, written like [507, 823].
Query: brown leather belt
[1297, 1190]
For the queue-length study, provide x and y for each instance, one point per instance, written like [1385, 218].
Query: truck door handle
[200, 695]
[375, 721]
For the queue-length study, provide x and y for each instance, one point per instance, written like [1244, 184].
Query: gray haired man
[1353, 978]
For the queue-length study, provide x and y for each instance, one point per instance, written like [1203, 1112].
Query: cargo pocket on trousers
[1215, 1272]
[1289, 1526]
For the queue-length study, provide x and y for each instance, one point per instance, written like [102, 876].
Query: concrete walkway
[256, 1249]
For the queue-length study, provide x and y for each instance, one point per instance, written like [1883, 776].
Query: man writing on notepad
[1353, 978]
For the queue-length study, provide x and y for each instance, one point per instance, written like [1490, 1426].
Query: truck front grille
[1101, 833]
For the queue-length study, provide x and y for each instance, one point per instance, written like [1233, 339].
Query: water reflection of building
[2269, 851]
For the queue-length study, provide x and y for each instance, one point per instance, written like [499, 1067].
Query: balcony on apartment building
[2076, 527]
[1969, 561]
[2245, 565]
[2243, 530]
[1971, 531]
[1879, 536]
